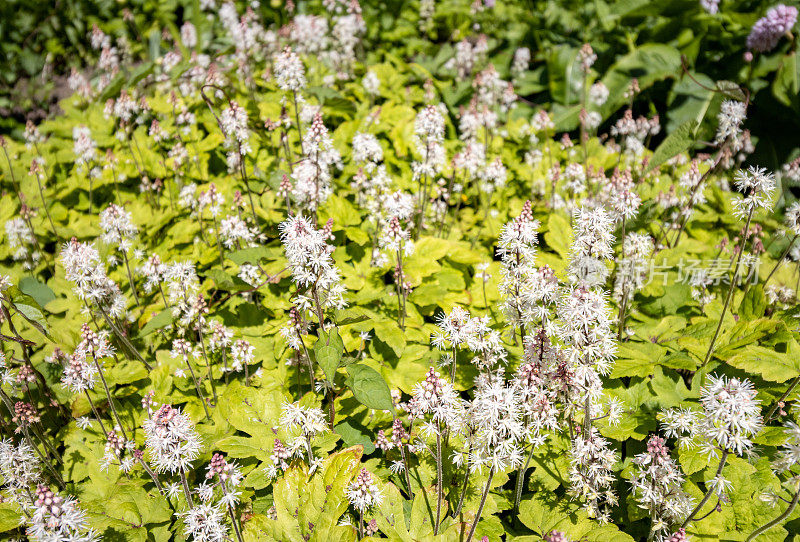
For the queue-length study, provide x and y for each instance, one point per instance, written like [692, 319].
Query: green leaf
[559, 234]
[331, 98]
[243, 447]
[754, 303]
[38, 291]
[33, 316]
[675, 143]
[766, 362]
[253, 255]
[389, 332]
[328, 350]
[732, 90]
[225, 281]
[308, 507]
[354, 434]
[160, 320]
[9, 516]
[545, 512]
[369, 388]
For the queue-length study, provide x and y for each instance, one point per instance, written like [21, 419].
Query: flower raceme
[730, 417]
[171, 439]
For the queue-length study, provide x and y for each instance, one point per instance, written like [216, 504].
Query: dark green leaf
[328, 350]
[38, 291]
[368, 387]
[677, 142]
[353, 434]
[160, 320]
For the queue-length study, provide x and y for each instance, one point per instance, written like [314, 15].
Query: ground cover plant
[305, 272]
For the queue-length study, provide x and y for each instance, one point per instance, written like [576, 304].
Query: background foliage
[657, 367]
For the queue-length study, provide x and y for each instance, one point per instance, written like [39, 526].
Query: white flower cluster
[118, 227]
[632, 270]
[428, 139]
[83, 267]
[302, 424]
[731, 115]
[205, 523]
[233, 122]
[290, 74]
[521, 284]
[495, 425]
[171, 439]
[757, 186]
[437, 398]
[22, 240]
[730, 417]
[312, 176]
[469, 55]
[363, 493]
[459, 328]
[85, 147]
[590, 474]
[310, 260]
[593, 238]
[19, 468]
[57, 518]
[657, 484]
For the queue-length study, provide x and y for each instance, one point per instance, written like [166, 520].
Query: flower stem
[124, 340]
[152, 474]
[780, 260]
[108, 396]
[208, 365]
[233, 517]
[438, 483]
[520, 479]
[96, 414]
[730, 290]
[791, 388]
[777, 520]
[464, 487]
[197, 387]
[480, 507]
[708, 494]
[130, 278]
[186, 488]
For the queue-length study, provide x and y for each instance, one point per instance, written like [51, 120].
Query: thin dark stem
[782, 398]
[587, 417]
[233, 516]
[186, 488]
[208, 365]
[777, 520]
[123, 339]
[520, 479]
[197, 387]
[44, 205]
[464, 487]
[48, 447]
[405, 471]
[438, 483]
[13, 177]
[42, 458]
[732, 286]
[130, 278]
[708, 494]
[96, 414]
[780, 260]
[480, 507]
[219, 245]
[152, 474]
[297, 120]
[110, 399]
